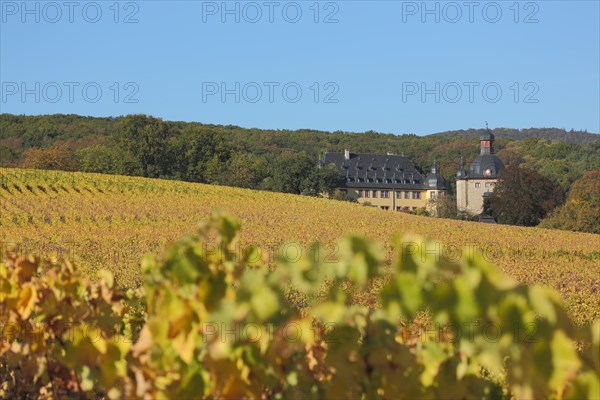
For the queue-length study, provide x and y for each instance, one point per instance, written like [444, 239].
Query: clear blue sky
[371, 62]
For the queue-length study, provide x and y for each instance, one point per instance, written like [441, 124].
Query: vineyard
[207, 324]
[104, 221]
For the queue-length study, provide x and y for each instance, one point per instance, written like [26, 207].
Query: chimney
[346, 154]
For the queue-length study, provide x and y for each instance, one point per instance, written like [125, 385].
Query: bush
[210, 322]
[338, 195]
[422, 211]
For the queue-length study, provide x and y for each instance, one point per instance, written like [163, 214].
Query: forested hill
[259, 158]
[33, 130]
[572, 136]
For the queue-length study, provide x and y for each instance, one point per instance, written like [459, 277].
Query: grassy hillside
[112, 221]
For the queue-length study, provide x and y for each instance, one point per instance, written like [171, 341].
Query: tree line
[563, 156]
[149, 147]
[286, 161]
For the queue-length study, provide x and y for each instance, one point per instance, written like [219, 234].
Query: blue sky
[390, 66]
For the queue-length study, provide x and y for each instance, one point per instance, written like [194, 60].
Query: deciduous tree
[581, 212]
[523, 197]
[146, 137]
[58, 156]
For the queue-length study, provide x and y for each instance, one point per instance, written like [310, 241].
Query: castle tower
[436, 189]
[478, 182]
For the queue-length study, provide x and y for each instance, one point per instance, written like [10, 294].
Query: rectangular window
[398, 195]
[398, 208]
[406, 195]
[416, 195]
[367, 193]
[374, 194]
[385, 194]
[359, 193]
[478, 185]
[488, 184]
[432, 195]
[385, 208]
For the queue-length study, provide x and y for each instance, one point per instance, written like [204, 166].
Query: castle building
[474, 185]
[388, 181]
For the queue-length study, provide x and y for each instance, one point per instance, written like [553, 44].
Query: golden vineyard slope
[104, 221]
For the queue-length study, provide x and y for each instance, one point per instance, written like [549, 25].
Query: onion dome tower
[434, 180]
[486, 165]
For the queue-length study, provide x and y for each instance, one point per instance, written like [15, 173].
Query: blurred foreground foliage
[209, 322]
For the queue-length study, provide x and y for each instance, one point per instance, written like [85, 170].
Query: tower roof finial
[434, 167]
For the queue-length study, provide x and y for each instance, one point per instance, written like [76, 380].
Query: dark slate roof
[487, 135]
[381, 171]
[434, 180]
[483, 163]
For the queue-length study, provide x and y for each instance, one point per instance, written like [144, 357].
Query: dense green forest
[279, 160]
